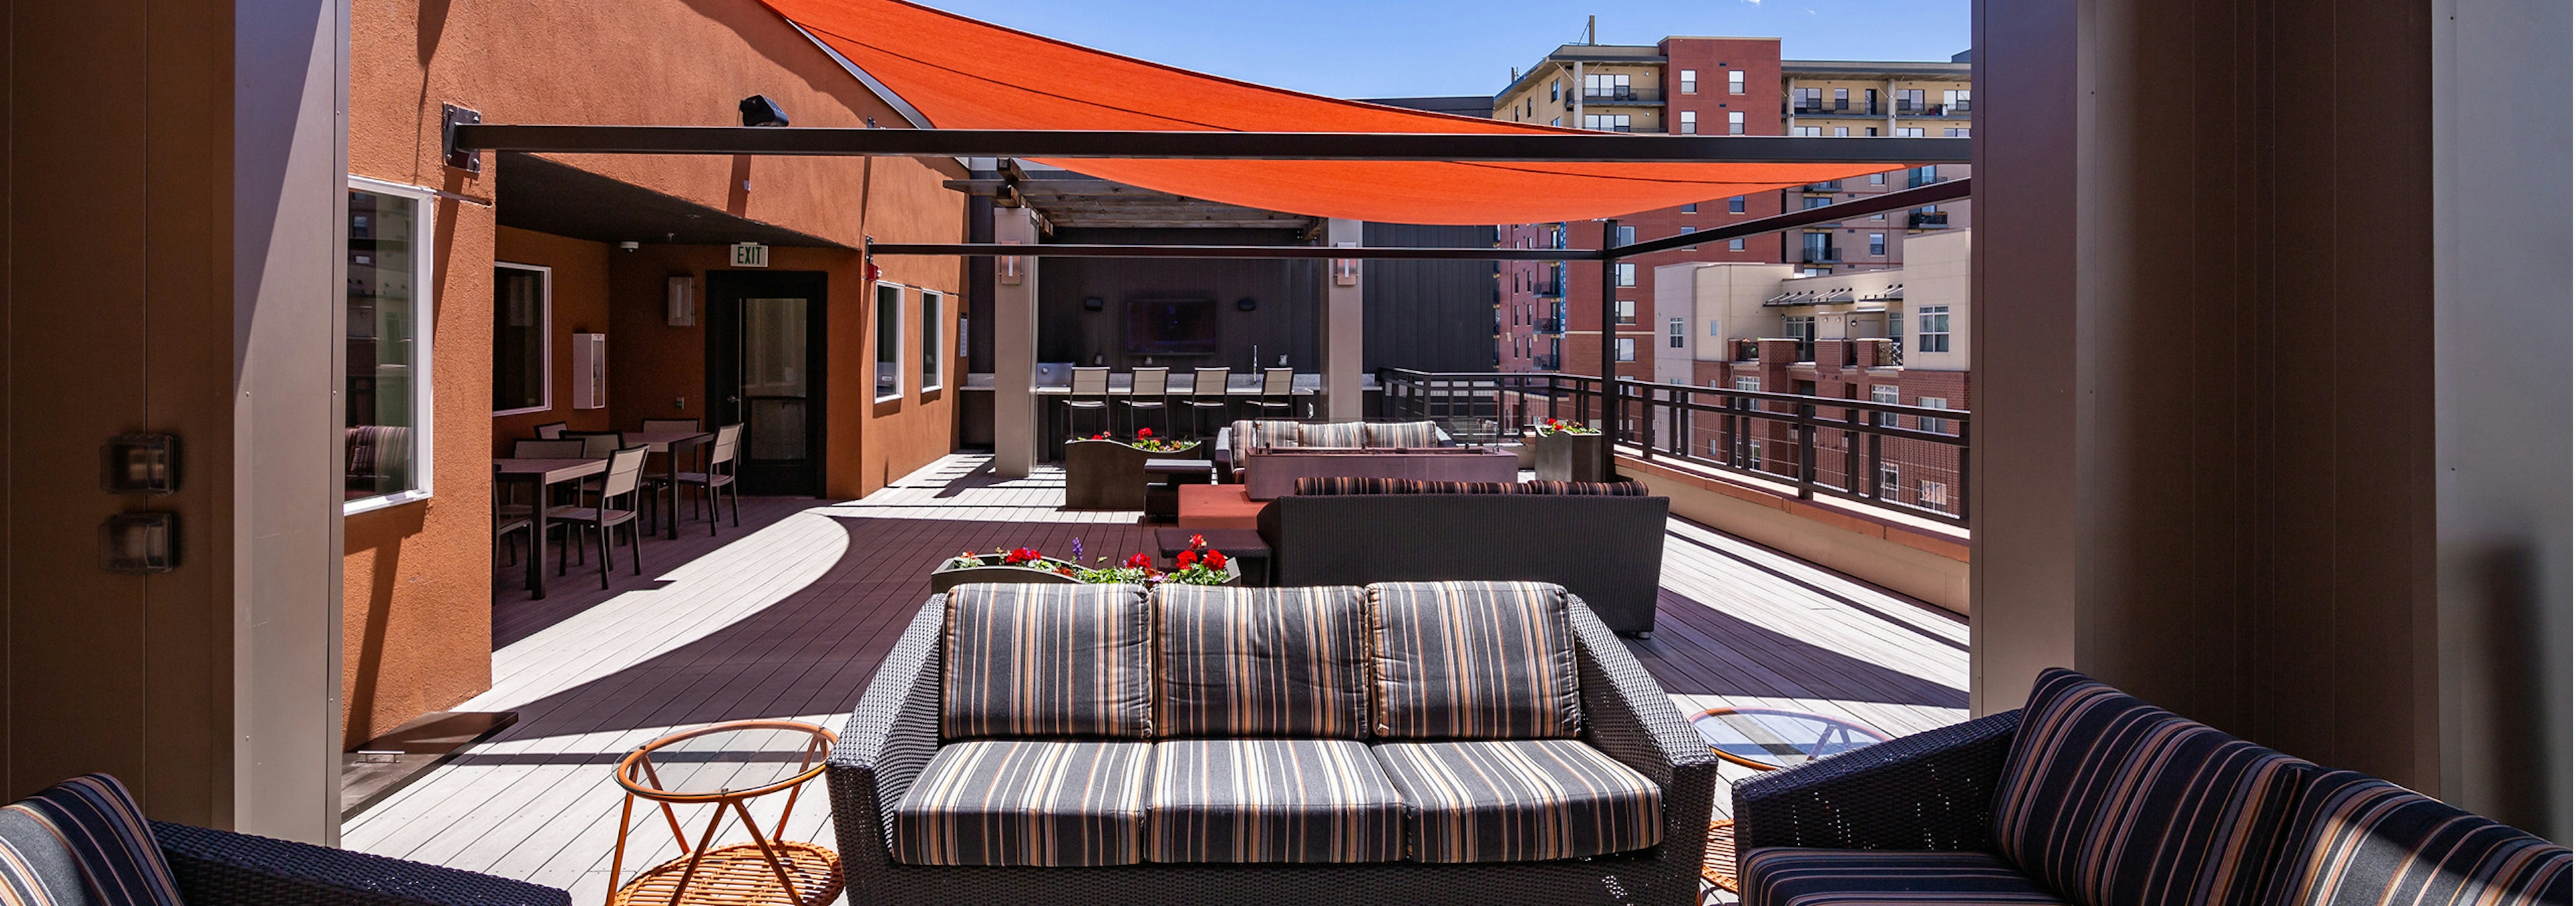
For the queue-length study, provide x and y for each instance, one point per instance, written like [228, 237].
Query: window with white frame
[1749, 384]
[1809, 131]
[1932, 328]
[889, 359]
[1842, 131]
[1735, 81]
[1556, 91]
[1627, 236]
[386, 386]
[934, 360]
[1929, 423]
[522, 356]
[1735, 245]
[1735, 205]
[1955, 101]
[1753, 455]
[1688, 229]
[1606, 122]
[1690, 122]
[1691, 208]
[1627, 271]
[1690, 81]
[1735, 122]
[1909, 132]
[1934, 495]
[1676, 333]
[1878, 244]
[1627, 311]
[1612, 85]
[1878, 179]
[1890, 481]
[1885, 394]
[1627, 349]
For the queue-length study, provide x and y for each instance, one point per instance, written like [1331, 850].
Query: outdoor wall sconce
[139, 464]
[139, 543]
[759, 110]
[1346, 271]
[1006, 268]
[1093, 303]
[1245, 304]
[679, 301]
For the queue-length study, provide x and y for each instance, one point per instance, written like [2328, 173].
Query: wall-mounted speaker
[1246, 304]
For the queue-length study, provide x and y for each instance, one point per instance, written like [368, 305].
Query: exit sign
[750, 254]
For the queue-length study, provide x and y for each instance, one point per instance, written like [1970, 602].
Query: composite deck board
[790, 614]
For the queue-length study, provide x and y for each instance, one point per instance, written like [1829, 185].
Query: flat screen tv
[1171, 327]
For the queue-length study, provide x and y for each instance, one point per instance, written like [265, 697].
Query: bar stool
[1278, 393]
[1150, 390]
[1090, 393]
[1207, 391]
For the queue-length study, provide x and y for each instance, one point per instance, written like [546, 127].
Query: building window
[1809, 131]
[1954, 133]
[522, 359]
[1627, 236]
[1871, 132]
[1753, 455]
[1735, 244]
[1889, 480]
[1626, 311]
[386, 385]
[1627, 271]
[1928, 423]
[1818, 201]
[1735, 122]
[1691, 208]
[1909, 100]
[1955, 101]
[1713, 450]
[1606, 122]
[1735, 205]
[1558, 122]
[1690, 81]
[1885, 394]
[1687, 229]
[1869, 100]
[1712, 331]
[1932, 328]
[1878, 245]
[1556, 91]
[1842, 100]
[1935, 495]
[1806, 100]
[1909, 132]
[1842, 131]
[1627, 349]
[1735, 82]
[1878, 179]
[1690, 122]
[889, 341]
[1608, 86]
[1676, 333]
[934, 358]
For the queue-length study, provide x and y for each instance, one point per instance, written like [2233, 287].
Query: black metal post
[1609, 347]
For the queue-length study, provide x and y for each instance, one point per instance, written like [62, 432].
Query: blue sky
[1384, 48]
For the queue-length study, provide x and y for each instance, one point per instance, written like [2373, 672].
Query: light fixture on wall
[759, 110]
[1246, 304]
[1007, 268]
[139, 543]
[680, 301]
[1093, 303]
[1346, 271]
[139, 464]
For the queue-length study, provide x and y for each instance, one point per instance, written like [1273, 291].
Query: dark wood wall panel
[1428, 315]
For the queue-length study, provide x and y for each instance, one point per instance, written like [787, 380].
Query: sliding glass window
[386, 381]
[522, 359]
[933, 352]
[889, 341]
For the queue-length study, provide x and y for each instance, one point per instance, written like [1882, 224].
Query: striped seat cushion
[2356, 840]
[1031, 803]
[1472, 660]
[1396, 435]
[1264, 434]
[1271, 800]
[1047, 661]
[1519, 800]
[1261, 662]
[1345, 485]
[1864, 877]
[82, 841]
[1352, 435]
[1624, 488]
[2110, 801]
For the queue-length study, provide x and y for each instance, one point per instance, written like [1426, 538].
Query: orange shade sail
[965, 74]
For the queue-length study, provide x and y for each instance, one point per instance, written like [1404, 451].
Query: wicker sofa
[2089, 796]
[1602, 541]
[70, 841]
[1236, 442]
[1097, 744]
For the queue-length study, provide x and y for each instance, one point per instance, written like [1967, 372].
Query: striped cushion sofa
[1395, 744]
[1234, 442]
[2090, 796]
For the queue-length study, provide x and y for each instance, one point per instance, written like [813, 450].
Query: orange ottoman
[1219, 506]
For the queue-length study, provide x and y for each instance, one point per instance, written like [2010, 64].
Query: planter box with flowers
[1105, 473]
[1196, 566]
[1571, 451]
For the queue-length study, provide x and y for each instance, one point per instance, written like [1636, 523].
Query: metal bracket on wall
[467, 159]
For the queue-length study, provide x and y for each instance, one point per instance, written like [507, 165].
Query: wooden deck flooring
[787, 617]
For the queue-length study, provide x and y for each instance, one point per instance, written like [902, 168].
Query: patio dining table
[670, 444]
[541, 475]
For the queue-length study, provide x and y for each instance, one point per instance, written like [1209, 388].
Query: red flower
[1215, 559]
[1139, 561]
[1185, 559]
[1021, 555]
[1142, 433]
[1198, 542]
[1104, 435]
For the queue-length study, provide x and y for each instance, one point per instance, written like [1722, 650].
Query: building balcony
[1831, 109]
[1543, 362]
[1549, 289]
[1623, 96]
[1933, 220]
[1550, 325]
[1828, 255]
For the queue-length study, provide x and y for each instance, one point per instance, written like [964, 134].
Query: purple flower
[1077, 550]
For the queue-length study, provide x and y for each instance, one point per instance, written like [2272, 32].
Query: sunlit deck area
[789, 616]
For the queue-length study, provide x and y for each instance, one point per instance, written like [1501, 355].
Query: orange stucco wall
[419, 575]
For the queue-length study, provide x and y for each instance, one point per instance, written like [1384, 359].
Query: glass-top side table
[726, 766]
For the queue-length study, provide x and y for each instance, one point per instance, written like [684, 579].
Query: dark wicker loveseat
[1604, 542]
[2089, 796]
[84, 841]
[945, 791]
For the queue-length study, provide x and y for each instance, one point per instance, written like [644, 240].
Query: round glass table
[723, 767]
[1767, 739]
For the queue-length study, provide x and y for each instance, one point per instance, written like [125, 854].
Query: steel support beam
[1563, 147]
[1609, 348]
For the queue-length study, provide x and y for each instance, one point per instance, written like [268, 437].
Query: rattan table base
[1719, 866]
[737, 875]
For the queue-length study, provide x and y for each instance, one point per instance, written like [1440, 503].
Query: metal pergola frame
[465, 135]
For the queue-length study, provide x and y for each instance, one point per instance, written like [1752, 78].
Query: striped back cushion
[1402, 434]
[1623, 488]
[1471, 487]
[1047, 661]
[1245, 662]
[2356, 840]
[1472, 661]
[94, 825]
[1264, 433]
[1333, 434]
[1345, 486]
[2111, 801]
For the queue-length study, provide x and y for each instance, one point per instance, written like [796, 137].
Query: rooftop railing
[1911, 459]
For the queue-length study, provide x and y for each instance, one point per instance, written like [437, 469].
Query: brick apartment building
[1549, 311]
[1893, 335]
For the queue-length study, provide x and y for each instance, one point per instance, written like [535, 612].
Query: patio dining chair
[670, 424]
[552, 430]
[564, 448]
[719, 476]
[1278, 394]
[1150, 390]
[1207, 393]
[620, 492]
[1090, 393]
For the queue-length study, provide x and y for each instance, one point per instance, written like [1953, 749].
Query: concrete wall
[1924, 561]
[1936, 273]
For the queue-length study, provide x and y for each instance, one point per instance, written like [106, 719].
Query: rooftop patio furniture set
[591, 483]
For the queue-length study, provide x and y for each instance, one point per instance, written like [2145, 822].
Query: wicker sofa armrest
[222, 868]
[887, 742]
[1627, 716]
[1929, 791]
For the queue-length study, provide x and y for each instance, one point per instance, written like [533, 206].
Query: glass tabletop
[736, 760]
[1769, 739]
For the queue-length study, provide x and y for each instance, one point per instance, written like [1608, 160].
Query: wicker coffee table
[1767, 739]
[726, 766]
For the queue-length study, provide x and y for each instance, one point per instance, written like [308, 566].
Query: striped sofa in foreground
[2089, 796]
[1399, 744]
